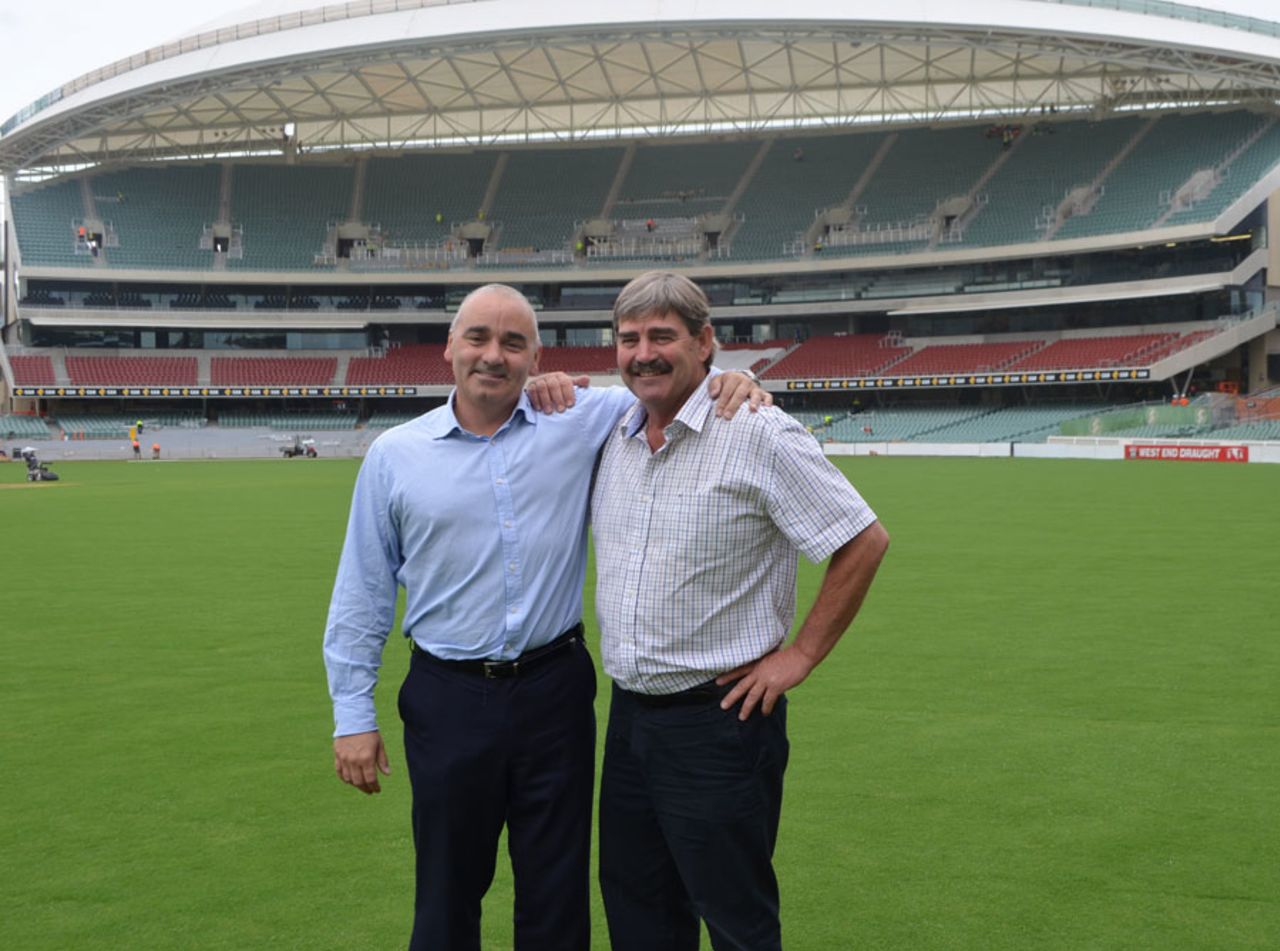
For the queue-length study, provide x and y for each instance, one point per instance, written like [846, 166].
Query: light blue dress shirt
[486, 534]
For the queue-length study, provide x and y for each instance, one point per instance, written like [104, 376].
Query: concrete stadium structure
[973, 189]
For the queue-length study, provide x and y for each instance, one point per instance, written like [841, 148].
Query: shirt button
[512, 566]
[507, 523]
[511, 610]
[500, 481]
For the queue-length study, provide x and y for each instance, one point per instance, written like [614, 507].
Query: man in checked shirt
[697, 529]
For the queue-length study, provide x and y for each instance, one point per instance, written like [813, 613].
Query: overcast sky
[46, 44]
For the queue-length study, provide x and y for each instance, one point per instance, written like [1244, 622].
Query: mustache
[657, 365]
[497, 369]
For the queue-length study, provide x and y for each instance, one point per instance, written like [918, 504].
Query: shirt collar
[445, 423]
[693, 414]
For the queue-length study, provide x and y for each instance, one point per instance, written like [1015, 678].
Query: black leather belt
[707, 693]
[503, 669]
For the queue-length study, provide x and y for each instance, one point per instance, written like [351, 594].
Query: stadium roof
[419, 73]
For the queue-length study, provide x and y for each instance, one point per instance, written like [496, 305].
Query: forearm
[848, 577]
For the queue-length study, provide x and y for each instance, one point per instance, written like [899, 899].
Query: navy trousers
[690, 800]
[483, 753]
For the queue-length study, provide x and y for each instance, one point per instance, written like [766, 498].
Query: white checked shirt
[696, 544]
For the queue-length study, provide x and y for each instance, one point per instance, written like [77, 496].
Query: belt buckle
[500, 669]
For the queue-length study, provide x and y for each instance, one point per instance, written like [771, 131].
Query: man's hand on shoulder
[733, 388]
[553, 392]
[358, 758]
[762, 682]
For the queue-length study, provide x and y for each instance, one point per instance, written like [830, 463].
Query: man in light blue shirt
[478, 510]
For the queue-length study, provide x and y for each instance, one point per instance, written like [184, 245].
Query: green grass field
[1056, 724]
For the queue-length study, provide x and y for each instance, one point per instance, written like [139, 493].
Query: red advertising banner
[1189, 453]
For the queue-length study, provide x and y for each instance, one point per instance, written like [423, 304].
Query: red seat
[576, 360]
[1086, 352]
[132, 371]
[838, 356]
[33, 370]
[272, 371]
[419, 363]
[963, 357]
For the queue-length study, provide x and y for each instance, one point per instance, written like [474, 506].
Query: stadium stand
[964, 357]
[1014, 424]
[82, 426]
[815, 420]
[24, 427]
[1100, 351]
[295, 422]
[33, 370]
[898, 204]
[1180, 342]
[823, 202]
[1261, 429]
[574, 360]
[750, 356]
[286, 211]
[413, 363]
[383, 420]
[678, 181]
[1161, 431]
[116, 426]
[880, 425]
[132, 371]
[1258, 158]
[243, 419]
[404, 195]
[838, 356]
[872, 355]
[798, 178]
[954, 424]
[272, 371]
[545, 193]
[191, 420]
[1140, 188]
[158, 214]
[1051, 159]
[45, 219]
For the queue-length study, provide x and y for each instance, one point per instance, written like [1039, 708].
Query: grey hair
[665, 292]
[502, 290]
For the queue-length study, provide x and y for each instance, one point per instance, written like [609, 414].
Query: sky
[44, 44]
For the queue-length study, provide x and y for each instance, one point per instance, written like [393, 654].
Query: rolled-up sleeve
[363, 606]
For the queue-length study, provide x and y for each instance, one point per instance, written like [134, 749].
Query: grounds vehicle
[300, 447]
[35, 471]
